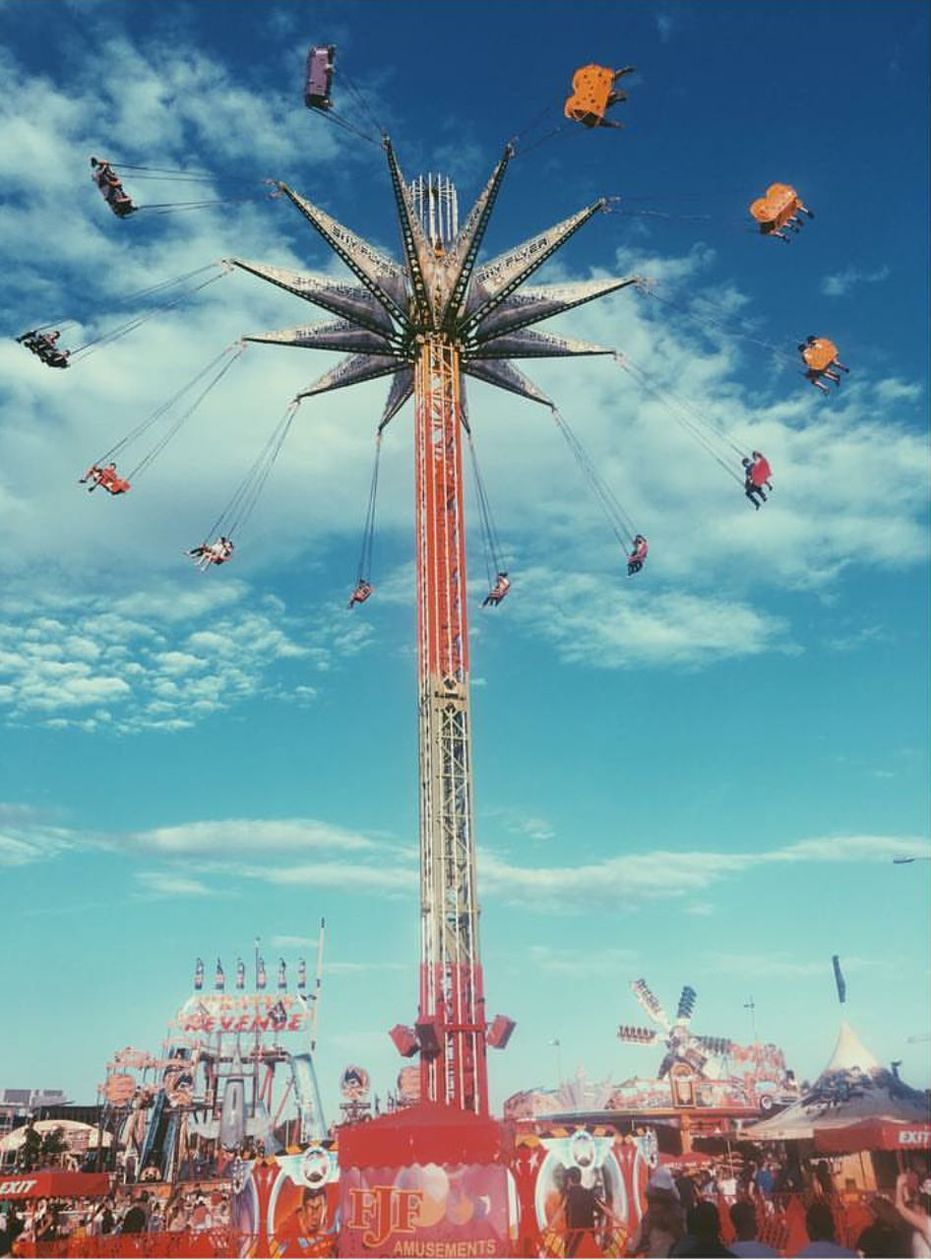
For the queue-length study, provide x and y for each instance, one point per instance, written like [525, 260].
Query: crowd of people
[768, 1209]
[191, 1208]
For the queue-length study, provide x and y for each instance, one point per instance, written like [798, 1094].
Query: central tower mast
[451, 1015]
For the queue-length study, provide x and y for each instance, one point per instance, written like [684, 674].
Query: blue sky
[698, 777]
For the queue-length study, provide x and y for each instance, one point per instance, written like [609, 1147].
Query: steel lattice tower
[427, 323]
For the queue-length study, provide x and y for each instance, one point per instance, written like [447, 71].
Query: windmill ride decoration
[684, 1049]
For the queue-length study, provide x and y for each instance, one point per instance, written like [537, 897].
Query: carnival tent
[428, 1133]
[54, 1183]
[848, 1105]
[874, 1134]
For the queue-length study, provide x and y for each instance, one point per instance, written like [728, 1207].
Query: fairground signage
[238, 1013]
[14, 1189]
[915, 1137]
[428, 1210]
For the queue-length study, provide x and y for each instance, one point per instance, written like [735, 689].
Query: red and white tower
[427, 323]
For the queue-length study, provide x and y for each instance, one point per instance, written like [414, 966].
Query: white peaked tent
[853, 1087]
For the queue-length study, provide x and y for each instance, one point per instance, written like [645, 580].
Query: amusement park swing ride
[426, 323]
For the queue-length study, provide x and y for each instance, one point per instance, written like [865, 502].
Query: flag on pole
[839, 980]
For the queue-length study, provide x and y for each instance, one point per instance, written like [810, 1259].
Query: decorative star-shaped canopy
[483, 310]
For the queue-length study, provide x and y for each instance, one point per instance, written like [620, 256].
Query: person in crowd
[662, 1225]
[743, 1218]
[727, 1183]
[703, 1237]
[889, 1235]
[822, 1183]
[765, 1182]
[819, 1222]
[136, 1218]
[913, 1201]
[688, 1195]
[103, 1219]
[581, 1210]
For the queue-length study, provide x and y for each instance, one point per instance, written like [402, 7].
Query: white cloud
[218, 851]
[669, 874]
[840, 283]
[194, 645]
[295, 942]
[851, 849]
[593, 620]
[158, 660]
[350, 877]
[26, 837]
[247, 835]
[167, 884]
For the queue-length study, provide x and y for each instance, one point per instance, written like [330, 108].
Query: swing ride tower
[428, 323]
[450, 1026]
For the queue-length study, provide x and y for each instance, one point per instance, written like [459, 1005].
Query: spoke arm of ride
[338, 334]
[539, 302]
[532, 345]
[412, 238]
[501, 277]
[461, 259]
[350, 371]
[402, 387]
[506, 376]
[349, 301]
[378, 273]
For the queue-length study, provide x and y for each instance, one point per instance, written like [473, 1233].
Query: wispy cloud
[669, 874]
[167, 884]
[841, 282]
[595, 622]
[214, 856]
[237, 836]
[521, 823]
[665, 25]
[295, 942]
[26, 837]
